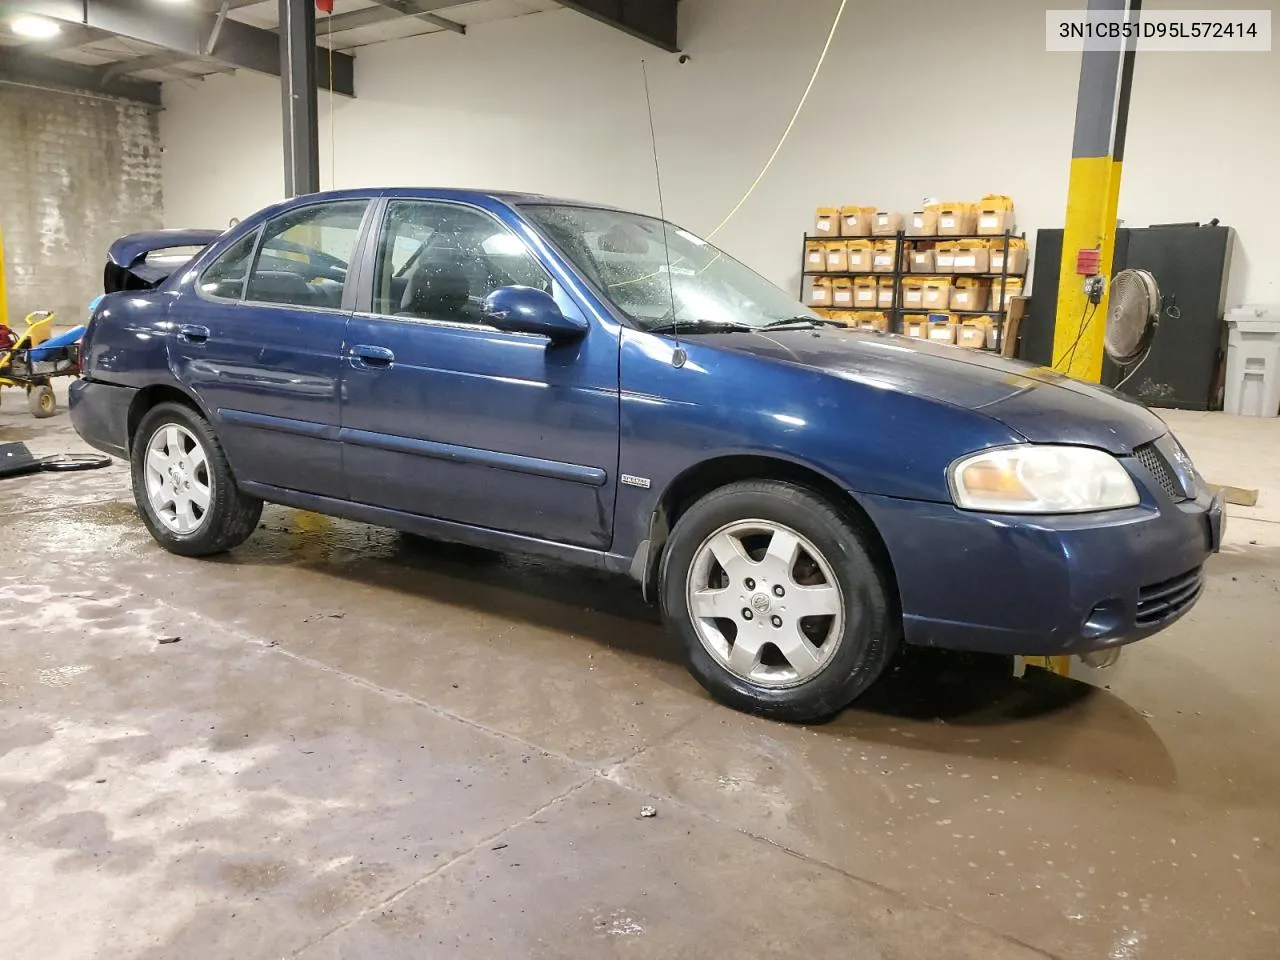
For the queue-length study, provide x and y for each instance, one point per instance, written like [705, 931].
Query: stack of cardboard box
[959, 268]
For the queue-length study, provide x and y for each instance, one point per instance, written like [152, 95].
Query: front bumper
[100, 414]
[1046, 585]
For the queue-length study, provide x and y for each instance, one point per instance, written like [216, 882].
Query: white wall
[918, 98]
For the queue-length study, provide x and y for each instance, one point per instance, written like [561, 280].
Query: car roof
[450, 193]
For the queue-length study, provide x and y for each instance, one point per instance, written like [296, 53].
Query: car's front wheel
[781, 608]
[183, 485]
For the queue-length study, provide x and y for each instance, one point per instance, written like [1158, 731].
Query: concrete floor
[363, 746]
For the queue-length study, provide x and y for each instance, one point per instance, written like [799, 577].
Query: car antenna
[678, 358]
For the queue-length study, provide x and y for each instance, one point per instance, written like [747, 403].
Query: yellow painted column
[1093, 195]
[1093, 199]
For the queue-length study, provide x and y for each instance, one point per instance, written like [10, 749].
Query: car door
[260, 343]
[447, 417]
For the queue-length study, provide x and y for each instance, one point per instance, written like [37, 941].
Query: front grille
[1161, 601]
[1154, 463]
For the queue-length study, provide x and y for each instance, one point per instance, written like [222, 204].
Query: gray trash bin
[1253, 361]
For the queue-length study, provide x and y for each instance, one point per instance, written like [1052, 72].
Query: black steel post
[298, 96]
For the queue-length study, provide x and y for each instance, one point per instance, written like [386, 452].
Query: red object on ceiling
[324, 6]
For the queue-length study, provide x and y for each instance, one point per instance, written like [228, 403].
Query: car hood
[1041, 405]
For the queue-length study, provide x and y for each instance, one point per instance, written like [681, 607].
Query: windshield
[624, 256]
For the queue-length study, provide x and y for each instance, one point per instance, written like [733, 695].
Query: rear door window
[224, 278]
[305, 255]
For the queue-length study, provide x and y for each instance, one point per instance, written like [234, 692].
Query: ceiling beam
[187, 31]
[653, 21]
[154, 61]
[380, 13]
[50, 71]
[421, 12]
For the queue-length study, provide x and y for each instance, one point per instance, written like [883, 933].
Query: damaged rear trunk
[142, 261]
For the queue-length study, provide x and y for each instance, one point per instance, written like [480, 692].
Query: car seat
[438, 289]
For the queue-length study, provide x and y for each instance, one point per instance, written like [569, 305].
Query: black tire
[871, 627]
[231, 516]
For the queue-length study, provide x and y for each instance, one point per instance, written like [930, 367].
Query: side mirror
[529, 310]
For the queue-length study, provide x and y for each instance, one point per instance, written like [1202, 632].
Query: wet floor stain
[275, 763]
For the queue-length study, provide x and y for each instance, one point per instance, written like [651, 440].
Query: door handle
[371, 356]
[194, 332]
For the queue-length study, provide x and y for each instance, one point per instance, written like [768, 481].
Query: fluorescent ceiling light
[38, 28]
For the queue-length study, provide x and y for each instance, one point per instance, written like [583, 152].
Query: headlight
[1041, 479]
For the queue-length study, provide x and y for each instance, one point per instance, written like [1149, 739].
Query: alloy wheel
[179, 487]
[765, 603]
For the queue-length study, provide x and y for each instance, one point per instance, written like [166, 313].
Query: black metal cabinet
[1191, 265]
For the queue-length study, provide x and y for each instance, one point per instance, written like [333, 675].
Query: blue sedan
[538, 375]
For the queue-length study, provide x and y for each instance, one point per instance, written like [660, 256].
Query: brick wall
[76, 172]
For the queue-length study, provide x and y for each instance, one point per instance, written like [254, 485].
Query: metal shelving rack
[901, 239]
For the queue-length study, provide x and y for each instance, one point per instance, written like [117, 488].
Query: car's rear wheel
[779, 604]
[183, 485]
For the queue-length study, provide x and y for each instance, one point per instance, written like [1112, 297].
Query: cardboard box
[915, 325]
[972, 257]
[865, 292]
[1012, 288]
[860, 254]
[923, 223]
[944, 257]
[883, 256]
[995, 222]
[873, 321]
[912, 293]
[837, 257]
[856, 221]
[819, 292]
[1017, 257]
[923, 261]
[936, 293]
[1006, 336]
[972, 333]
[995, 215]
[886, 224]
[885, 293]
[848, 317]
[955, 219]
[826, 222]
[942, 328]
[815, 256]
[969, 293]
[841, 293]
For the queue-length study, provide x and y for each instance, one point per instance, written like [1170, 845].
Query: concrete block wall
[76, 172]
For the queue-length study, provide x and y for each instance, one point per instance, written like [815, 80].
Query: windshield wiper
[801, 323]
[701, 326]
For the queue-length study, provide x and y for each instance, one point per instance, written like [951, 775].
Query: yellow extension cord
[804, 97]
[787, 132]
